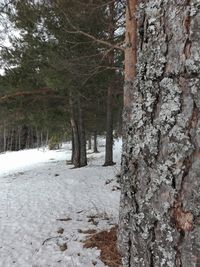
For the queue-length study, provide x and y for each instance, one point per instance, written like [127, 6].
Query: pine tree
[66, 52]
[159, 210]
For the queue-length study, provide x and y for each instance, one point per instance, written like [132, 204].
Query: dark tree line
[63, 47]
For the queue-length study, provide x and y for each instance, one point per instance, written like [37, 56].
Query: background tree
[67, 53]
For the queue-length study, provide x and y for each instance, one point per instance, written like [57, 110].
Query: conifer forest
[100, 133]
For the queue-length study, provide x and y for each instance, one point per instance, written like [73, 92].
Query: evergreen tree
[64, 48]
[159, 209]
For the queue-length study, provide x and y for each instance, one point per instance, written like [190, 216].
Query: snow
[37, 189]
[18, 161]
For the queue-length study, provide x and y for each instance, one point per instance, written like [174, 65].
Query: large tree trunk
[160, 200]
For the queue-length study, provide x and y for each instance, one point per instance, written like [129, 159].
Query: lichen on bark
[159, 207]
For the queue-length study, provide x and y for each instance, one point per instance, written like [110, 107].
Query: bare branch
[26, 93]
[78, 31]
[103, 42]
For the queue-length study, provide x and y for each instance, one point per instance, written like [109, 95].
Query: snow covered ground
[41, 197]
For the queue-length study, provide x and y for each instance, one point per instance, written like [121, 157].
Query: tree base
[69, 162]
[79, 166]
[109, 164]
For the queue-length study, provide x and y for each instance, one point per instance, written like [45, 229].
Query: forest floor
[47, 208]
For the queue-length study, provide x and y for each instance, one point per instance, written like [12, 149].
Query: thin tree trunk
[1, 144]
[95, 143]
[38, 138]
[109, 130]
[16, 139]
[81, 129]
[47, 137]
[75, 132]
[19, 138]
[73, 148]
[109, 112]
[27, 138]
[119, 124]
[76, 152]
[41, 139]
[11, 139]
[89, 142]
[159, 209]
[32, 138]
[4, 138]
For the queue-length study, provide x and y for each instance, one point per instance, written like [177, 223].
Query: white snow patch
[25, 159]
[36, 189]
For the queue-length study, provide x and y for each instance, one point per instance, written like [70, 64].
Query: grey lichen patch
[194, 85]
[192, 66]
[151, 141]
[197, 135]
[171, 103]
[149, 103]
[179, 147]
[154, 63]
[138, 114]
[162, 178]
[195, 6]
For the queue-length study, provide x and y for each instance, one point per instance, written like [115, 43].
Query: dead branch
[26, 93]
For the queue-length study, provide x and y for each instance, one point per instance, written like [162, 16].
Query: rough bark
[160, 199]
[130, 53]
